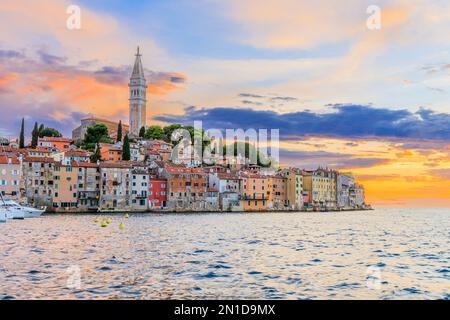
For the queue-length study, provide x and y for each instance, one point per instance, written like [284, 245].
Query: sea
[387, 253]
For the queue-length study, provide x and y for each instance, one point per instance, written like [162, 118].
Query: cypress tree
[126, 154]
[119, 131]
[35, 136]
[22, 135]
[97, 156]
[142, 132]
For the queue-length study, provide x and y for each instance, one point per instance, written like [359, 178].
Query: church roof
[138, 70]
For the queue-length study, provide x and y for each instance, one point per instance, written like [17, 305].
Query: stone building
[187, 188]
[115, 186]
[294, 188]
[38, 180]
[278, 192]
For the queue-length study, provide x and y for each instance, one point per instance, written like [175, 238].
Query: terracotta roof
[6, 159]
[212, 190]
[39, 159]
[56, 139]
[227, 176]
[253, 176]
[115, 164]
[76, 153]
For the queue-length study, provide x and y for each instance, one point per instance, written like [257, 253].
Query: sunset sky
[374, 102]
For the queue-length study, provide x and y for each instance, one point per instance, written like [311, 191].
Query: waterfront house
[139, 189]
[254, 192]
[157, 193]
[187, 188]
[38, 180]
[115, 186]
[10, 176]
[278, 192]
[294, 188]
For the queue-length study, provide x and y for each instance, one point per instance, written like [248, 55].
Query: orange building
[255, 192]
[278, 192]
[61, 144]
[110, 152]
[65, 183]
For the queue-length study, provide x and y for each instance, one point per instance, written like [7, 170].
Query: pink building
[10, 176]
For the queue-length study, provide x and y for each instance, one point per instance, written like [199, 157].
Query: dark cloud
[10, 54]
[51, 59]
[345, 120]
[256, 103]
[285, 99]
[314, 159]
[251, 95]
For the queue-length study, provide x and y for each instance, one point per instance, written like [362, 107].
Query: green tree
[49, 132]
[154, 132]
[169, 130]
[22, 135]
[119, 131]
[126, 154]
[96, 134]
[35, 135]
[142, 132]
[96, 156]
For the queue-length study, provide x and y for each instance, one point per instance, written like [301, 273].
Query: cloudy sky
[375, 102]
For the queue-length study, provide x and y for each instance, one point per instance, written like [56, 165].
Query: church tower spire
[138, 96]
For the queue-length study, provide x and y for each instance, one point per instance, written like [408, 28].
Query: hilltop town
[108, 166]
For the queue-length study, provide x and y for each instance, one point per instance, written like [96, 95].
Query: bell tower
[138, 97]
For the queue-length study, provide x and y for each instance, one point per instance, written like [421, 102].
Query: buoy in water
[122, 226]
[104, 224]
[108, 220]
[127, 215]
[97, 220]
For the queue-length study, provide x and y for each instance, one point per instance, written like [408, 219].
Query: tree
[119, 131]
[35, 135]
[96, 134]
[22, 135]
[142, 132]
[96, 156]
[169, 130]
[126, 154]
[49, 132]
[41, 128]
[154, 132]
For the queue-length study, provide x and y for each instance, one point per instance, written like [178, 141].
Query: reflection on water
[381, 254]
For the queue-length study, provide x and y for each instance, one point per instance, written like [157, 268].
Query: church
[137, 107]
[138, 97]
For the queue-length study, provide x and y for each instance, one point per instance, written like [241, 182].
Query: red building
[157, 193]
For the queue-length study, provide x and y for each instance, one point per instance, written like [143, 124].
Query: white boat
[21, 212]
[13, 210]
[2, 217]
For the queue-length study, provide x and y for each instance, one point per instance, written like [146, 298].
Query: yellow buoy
[122, 226]
[97, 220]
[126, 216]
[104, 224]
[108, 220]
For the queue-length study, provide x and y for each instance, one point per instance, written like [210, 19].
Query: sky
[374, 102]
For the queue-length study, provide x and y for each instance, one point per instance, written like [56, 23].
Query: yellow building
[255, 192]
[294, 188]
[320, 185]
